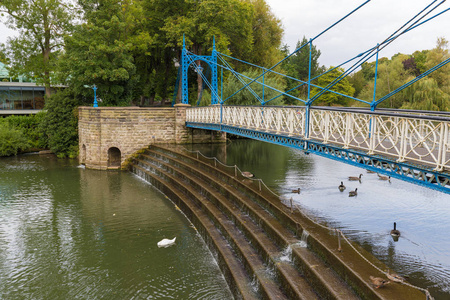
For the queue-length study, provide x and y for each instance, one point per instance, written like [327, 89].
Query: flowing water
[422, 215]
[67, 232]
[71, 233]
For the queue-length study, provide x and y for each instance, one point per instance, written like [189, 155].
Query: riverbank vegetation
[131, 51]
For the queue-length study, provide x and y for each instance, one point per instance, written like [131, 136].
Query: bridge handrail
[418, 139]
[407, 113]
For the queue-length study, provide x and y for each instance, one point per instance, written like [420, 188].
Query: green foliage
[297, 66]
[343, 87]
[12, 140]
[29, 126]
[431, 92]
[426, 95]
[99, 53]
[60, 124]
[41, 26]
[245, 97]
[267, 34]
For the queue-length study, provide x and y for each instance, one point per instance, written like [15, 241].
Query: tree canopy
[41, 25]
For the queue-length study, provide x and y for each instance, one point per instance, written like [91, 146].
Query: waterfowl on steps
[352, 178]
[353, 193]
[247, 174]
[297, 191]
[388, 178]
[395, 277]
[166, 242]
[341, 187]
[394, 232]
[378, 282]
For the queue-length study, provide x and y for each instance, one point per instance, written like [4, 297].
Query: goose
[395, 277]
[352, 178]
[370, 172]
[353, 193]
[378, 282]
[166, 242]
[388, 178]
[297, 191]
[341, 187]
[247, 174]
[394, 232]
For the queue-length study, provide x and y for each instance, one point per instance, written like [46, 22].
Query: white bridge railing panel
[404, 138]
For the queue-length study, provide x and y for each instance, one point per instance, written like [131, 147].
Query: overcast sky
[370, 25]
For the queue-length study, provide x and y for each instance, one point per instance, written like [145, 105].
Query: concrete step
[252, 219]
[349, 266]
[252, 262]
[266, 248]
[239, 281]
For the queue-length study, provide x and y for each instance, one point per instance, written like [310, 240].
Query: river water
[71, 233]
[67, 232]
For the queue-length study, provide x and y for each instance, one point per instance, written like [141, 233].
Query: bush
[29, 125]
[60, 124]
[12, 140]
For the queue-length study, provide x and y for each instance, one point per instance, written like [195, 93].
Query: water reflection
[67, 233]
[422, 215]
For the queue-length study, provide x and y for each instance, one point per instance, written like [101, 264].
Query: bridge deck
[411, 148]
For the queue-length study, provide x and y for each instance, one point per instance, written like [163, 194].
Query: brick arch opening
[114, 157]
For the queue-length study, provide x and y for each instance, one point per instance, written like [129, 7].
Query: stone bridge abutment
[110, 135]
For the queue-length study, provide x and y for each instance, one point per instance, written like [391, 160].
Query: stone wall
[104, 130]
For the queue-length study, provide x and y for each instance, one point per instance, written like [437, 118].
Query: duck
[353, 193]
[352, 178]
[166, 242]
[388, 178]
[297, 191]
[395, 277]
[378, 282]
[247, 174]
[394, 232]
[341, 187]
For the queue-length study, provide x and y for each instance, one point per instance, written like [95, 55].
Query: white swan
[166, 242]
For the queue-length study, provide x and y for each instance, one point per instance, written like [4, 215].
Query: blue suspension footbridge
[409, 145]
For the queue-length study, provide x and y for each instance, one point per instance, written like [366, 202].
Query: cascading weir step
[257, 230]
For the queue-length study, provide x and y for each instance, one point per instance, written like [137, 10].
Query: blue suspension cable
[414, 80]
[298, 49]
[368, 56]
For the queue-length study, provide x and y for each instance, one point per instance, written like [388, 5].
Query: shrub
[29, 125]
[12, 140]
[60, 124]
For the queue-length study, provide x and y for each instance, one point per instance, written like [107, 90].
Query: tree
[99, 52]
[343, 87]
[297, 66]
[245, 97]
[42, 25]
[426, 95]
[60, 124]
[436, 56]
[267, 35]
[229, 21]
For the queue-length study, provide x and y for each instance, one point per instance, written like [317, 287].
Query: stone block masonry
[110, 135]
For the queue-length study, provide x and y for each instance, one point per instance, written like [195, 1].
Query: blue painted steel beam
[416, 174]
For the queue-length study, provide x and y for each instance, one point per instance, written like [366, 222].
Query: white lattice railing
[422, 140]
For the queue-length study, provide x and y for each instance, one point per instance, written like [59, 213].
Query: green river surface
[71, 233]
